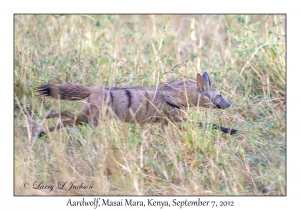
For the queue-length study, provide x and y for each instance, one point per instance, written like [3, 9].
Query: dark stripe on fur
[173, 105]
[147, 98]
[111, 97]
[129, 97]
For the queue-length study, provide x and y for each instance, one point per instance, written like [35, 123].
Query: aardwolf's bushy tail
[67, 91]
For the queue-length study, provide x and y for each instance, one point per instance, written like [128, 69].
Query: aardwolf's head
[210, 96]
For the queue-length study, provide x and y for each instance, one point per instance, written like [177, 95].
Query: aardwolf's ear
[206, 78]
[201, 82]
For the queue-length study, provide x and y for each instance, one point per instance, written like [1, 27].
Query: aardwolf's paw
[41, 134]
[49, 116]
[233, 131]
[229, 130]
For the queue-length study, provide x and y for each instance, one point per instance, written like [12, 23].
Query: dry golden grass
[245, 58]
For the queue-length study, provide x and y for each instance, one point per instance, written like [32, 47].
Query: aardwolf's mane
[174, 83]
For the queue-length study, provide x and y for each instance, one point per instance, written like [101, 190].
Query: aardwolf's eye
[218, 96]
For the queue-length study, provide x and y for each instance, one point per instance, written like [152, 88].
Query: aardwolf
[159, 104]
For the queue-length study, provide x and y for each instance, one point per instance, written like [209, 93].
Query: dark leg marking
[41, 134]
[225, 130]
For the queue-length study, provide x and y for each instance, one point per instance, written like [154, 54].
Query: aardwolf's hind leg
[80, 118]
[61, 124]
[72, 120]
[65, 113]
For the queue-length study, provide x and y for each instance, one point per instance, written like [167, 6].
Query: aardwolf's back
[66, 91]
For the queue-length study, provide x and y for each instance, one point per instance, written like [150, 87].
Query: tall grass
[245, 58]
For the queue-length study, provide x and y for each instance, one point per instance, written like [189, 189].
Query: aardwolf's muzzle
[223, 104]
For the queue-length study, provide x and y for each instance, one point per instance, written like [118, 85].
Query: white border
[153, 6]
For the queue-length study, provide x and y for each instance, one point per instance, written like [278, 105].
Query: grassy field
[245, 58]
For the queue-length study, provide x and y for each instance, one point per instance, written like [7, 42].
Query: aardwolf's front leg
[177, 115]
[225, 130]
